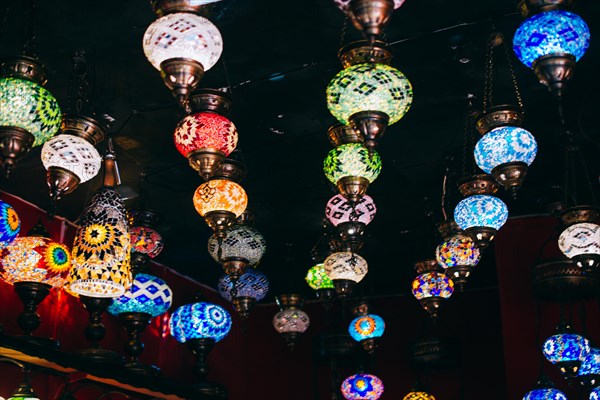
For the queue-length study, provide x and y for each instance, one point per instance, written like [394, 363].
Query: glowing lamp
[345, 269]
[458, 255]
[589, 371]
[506, 152]
[182, 46]
[595, 393]
[352, 169]
[362, 387]
[545, 394]
[10, 224]
[431, 287]
[220, 202]
[148, 294]
[24, 392]
[200, 321]
[290, 321]
[581, 242]
[339, 210]
[551, 43]
[566, 349]
[365, 327]
[244, 292]
[243, 247]
[481, 213]
[417, 395]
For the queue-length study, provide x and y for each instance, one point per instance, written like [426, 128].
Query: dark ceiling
[278, 58]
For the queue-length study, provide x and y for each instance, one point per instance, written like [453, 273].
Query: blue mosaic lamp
[250, 288]
[362, 387]
[545, 394]
[589, 372]
[366, 328]
[551, 42]
[10, 224]
[595, 393]
[566, 349]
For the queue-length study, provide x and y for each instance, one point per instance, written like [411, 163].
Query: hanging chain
[344, 28]
[513, 77]
[29, 49]
[227, 79]
[78, 100]
[588, 180]
[443, 201]
[466, 133]
[489, 73]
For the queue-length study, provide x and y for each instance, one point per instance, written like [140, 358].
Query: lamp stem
[31, 295]
[95, 330]
[201, 349]
[135, 324]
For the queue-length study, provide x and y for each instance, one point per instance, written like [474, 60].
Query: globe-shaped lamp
[244, 292]
[581, 242]
[200, 321]
[290, 323]
[318, 280]
[220, 202]
[366, 329]
[418, 395]
[146, 240]
[566, 349]
[148, 294]
[545, 394]
[339, 210]
[345, 269]
[480, 216]
[595, 393]
[589, 371]
[430, 289]
[10, 224]
[243, 247]
[458, 255]
[362, 387]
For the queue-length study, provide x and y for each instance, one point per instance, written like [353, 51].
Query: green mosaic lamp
[29, 114]
[320, 282]
[368, 93]
[352, 168]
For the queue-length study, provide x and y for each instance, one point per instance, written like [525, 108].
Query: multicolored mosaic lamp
[244, 292]
[457, 254]
[544, 390]
[290, 321]
[29, 114]
[182, 46]
[566, 349]
[242, 247]
[319, 281]
[352, 169]
[431, 287]
[368, 93]
[362, 387]
[366, 328]
[551, 42]
[351, 221]
[10, 224]
[589, 371]
[480, 214]
[418, 395]
[146, 241]
[345, 269]
[220, 202]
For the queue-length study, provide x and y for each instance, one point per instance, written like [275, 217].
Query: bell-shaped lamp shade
[503, 145]
[148, 294]
[146, 240]
[317, 278]
[362, 387]
[74, 154]
[416, 395]
[291, 320]
[205, 130]
[200, 321]
[481, 210]
[10, 224]
[253, 284]
[220, 195]
[344, 4]
[589, 371]
[370, 326]
[351, 159]
[345, 265]
[594, 393]
[241, 242]
[339, 210]
[29, 106]
[35, 259]
[458, 250]
[579, 239]
[432, 284]
[101, 249]
[545, 394]
[183, 35]
[566, 347]
[551, 32]
[369, 87]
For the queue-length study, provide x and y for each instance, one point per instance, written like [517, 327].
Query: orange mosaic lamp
[220, 202]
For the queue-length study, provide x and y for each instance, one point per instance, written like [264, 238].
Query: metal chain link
[344, 28]
[29, 48]
[4, 19]
[507, 53]
[466, 133]
[488, 75]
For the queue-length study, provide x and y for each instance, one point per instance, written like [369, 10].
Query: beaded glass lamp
[290, 322]
[506, 144]
[483, 213]
[581, 242]
[362, 387]
[10, 224]
[566, 349]
[367, 329]
[545, 394]
[340, 210]
[317, 279]
[248, 289]
[345, 269]
[430, 289]
[594, 393]
[220, 201]
[242, 245]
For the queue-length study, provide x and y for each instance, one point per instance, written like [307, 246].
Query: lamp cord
[443, 200]
[466, 132]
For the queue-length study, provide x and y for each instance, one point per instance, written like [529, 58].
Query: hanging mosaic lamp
[431, 287]
[368, 94]
[362, 387]
[101, 249]
[595, 393]
[317, 279]
[182, 46]
[29, 114]
[544, 390]
[566, 349]
[480, 214]
[220, 202]
[242, 247]
[24, 391]
[352, 169]
[351, 221]
[290, 321]
[245, 291]
[146, 241]
[589, 371]
[345, 269]
[551, 42]
[206, 136]
[457, 254]
[10, 224]
[580, 238]
[366, 328]
[418, 395]
[71, 158]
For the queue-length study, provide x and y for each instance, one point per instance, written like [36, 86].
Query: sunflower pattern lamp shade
[200, 321]
[340, 210]
[344, 4]
[551, 32]
[457, 250]
[362, 387]
[346, 265]
[578, 239]
[148, 294]
[205, 130]
[481, 211]
[183, 35]
[432, 284]
[317, 278]
[545, 394]
[418, 396]
[369, 87]
[35, 259]
[253, 284]
[74, 154]
[220, 195]
[368, 326]
[10, 224]
[101, 248]
[146, 241]
[351, 159]
[30, 106]
[505, 145]
[291, 320]
[242, 241]
[565, 347]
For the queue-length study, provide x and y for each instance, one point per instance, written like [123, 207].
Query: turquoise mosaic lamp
[367, 327]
